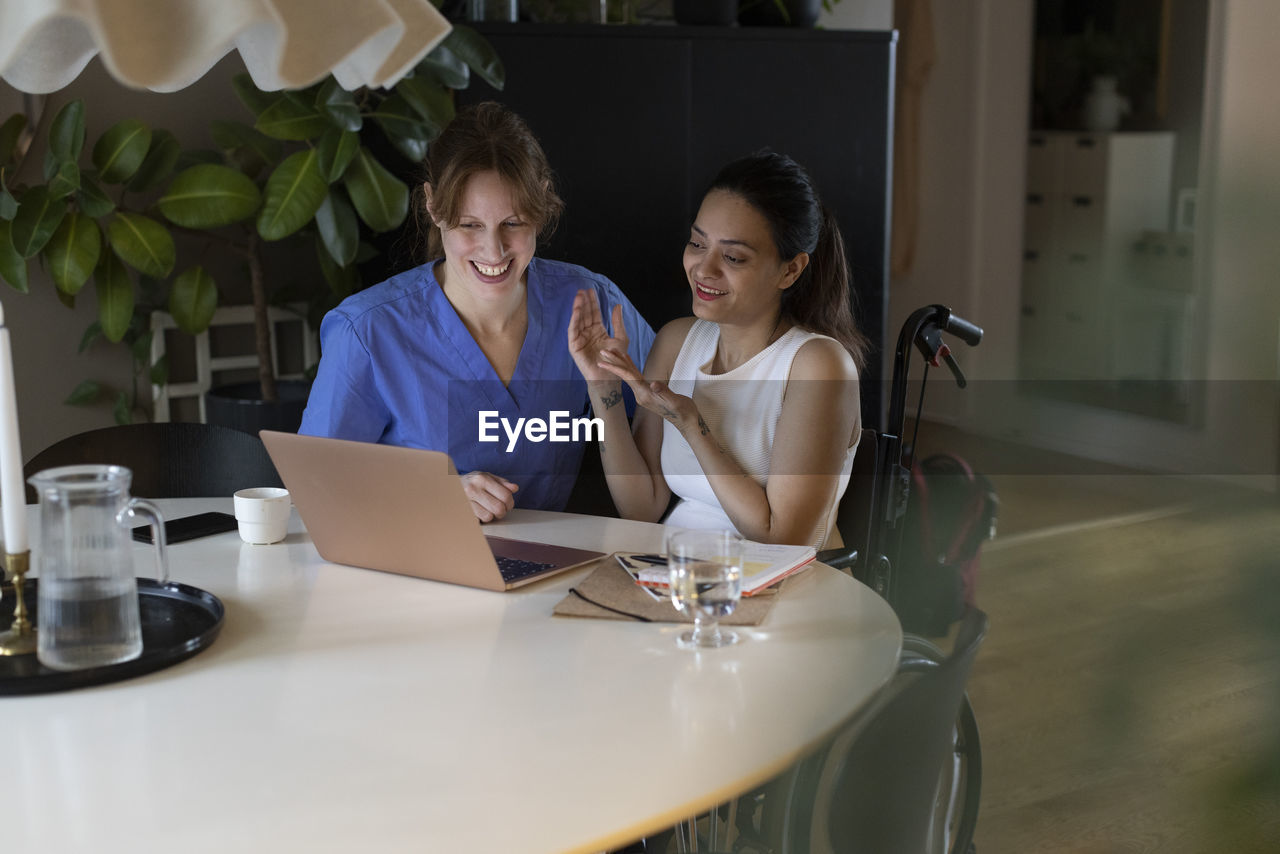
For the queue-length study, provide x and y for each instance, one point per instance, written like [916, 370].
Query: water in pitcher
[91, 623]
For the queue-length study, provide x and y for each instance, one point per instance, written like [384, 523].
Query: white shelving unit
[1091, 197]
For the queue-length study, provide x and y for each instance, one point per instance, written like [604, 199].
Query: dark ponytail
[821, 299]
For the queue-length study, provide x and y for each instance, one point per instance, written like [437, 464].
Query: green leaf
[10, 133]
[250, 95]
[91, 333]
[120, 151]
[160, 371]
[209, 196]
[288, 119]
[339, 105]
[252, 148]
[8, 204]
[86, 392]
[336, 149]
[159, 163]
[13, 267]
[37, 218]
[65, 181]
[433, 103]
[66, 132]
[473, 49]
[339, 230]
[51, 164]
[343, 281]
[91, 199]
[115, 297]
[408, 131]
[380, 198]
[143, 244]
[411, 148]
[293, 194]
[72, 253]
[192, 300]
[141, 347]
[366, 253]
[120, 410]
[445, 66]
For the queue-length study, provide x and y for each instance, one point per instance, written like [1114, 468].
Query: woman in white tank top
[749, 410]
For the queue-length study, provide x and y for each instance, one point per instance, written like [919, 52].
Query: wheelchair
[870, 520]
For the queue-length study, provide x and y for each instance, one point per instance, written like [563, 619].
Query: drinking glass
[706, 580]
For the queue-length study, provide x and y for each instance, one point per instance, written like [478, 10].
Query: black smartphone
[189, 527]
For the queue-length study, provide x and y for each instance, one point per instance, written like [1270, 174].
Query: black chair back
[855, 516]
[877, 784]
[168, 460]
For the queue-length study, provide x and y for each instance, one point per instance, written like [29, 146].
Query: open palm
[589, 337]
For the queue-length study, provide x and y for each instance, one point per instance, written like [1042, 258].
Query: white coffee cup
[263, 514]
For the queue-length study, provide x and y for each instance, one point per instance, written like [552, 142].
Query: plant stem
[261, 323]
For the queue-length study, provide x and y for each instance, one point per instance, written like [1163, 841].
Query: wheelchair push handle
[969, 333]
[931, 319]
[924, 329]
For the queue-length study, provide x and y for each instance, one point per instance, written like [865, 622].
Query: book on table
[764, 565]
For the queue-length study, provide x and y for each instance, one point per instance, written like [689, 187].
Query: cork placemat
[610, 593]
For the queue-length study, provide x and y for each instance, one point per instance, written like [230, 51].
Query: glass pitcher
[87, 597]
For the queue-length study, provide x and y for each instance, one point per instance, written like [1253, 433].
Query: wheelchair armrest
[842, 559]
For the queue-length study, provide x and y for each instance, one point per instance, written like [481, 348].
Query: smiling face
[732, 263]
[488, 252]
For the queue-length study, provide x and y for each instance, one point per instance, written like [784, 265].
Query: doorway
[1112, 311]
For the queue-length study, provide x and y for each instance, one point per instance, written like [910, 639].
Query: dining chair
[168, 459]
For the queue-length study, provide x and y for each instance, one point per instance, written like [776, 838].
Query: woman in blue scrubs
[467, 353]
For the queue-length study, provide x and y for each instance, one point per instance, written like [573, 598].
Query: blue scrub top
[398, 367]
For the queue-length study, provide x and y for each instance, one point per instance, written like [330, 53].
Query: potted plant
[781, 13]
[131, 210]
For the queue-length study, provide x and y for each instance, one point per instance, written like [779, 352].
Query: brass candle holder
[20, 638]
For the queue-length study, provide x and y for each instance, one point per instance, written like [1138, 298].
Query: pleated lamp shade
[165, 45]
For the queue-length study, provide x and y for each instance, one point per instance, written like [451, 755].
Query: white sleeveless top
[742, 408]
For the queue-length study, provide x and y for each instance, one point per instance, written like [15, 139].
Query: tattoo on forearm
[612, 399]
[702, 426]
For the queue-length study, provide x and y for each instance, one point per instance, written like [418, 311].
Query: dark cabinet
[636, 121]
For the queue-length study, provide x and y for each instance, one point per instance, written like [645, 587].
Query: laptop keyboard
[514, 569]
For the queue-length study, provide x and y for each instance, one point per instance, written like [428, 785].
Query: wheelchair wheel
[960, 787]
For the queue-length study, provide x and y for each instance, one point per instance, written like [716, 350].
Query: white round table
[348, 710]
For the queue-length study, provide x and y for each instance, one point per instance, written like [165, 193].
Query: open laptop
[403, 510]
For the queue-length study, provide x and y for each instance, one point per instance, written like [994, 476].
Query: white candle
[13, 497]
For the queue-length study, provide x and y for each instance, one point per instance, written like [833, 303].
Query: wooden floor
[1128, 693]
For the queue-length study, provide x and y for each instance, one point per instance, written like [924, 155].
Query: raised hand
[654, 396]
[491, 497]
[588, 336]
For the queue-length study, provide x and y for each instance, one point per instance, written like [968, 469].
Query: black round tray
[178, 621]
